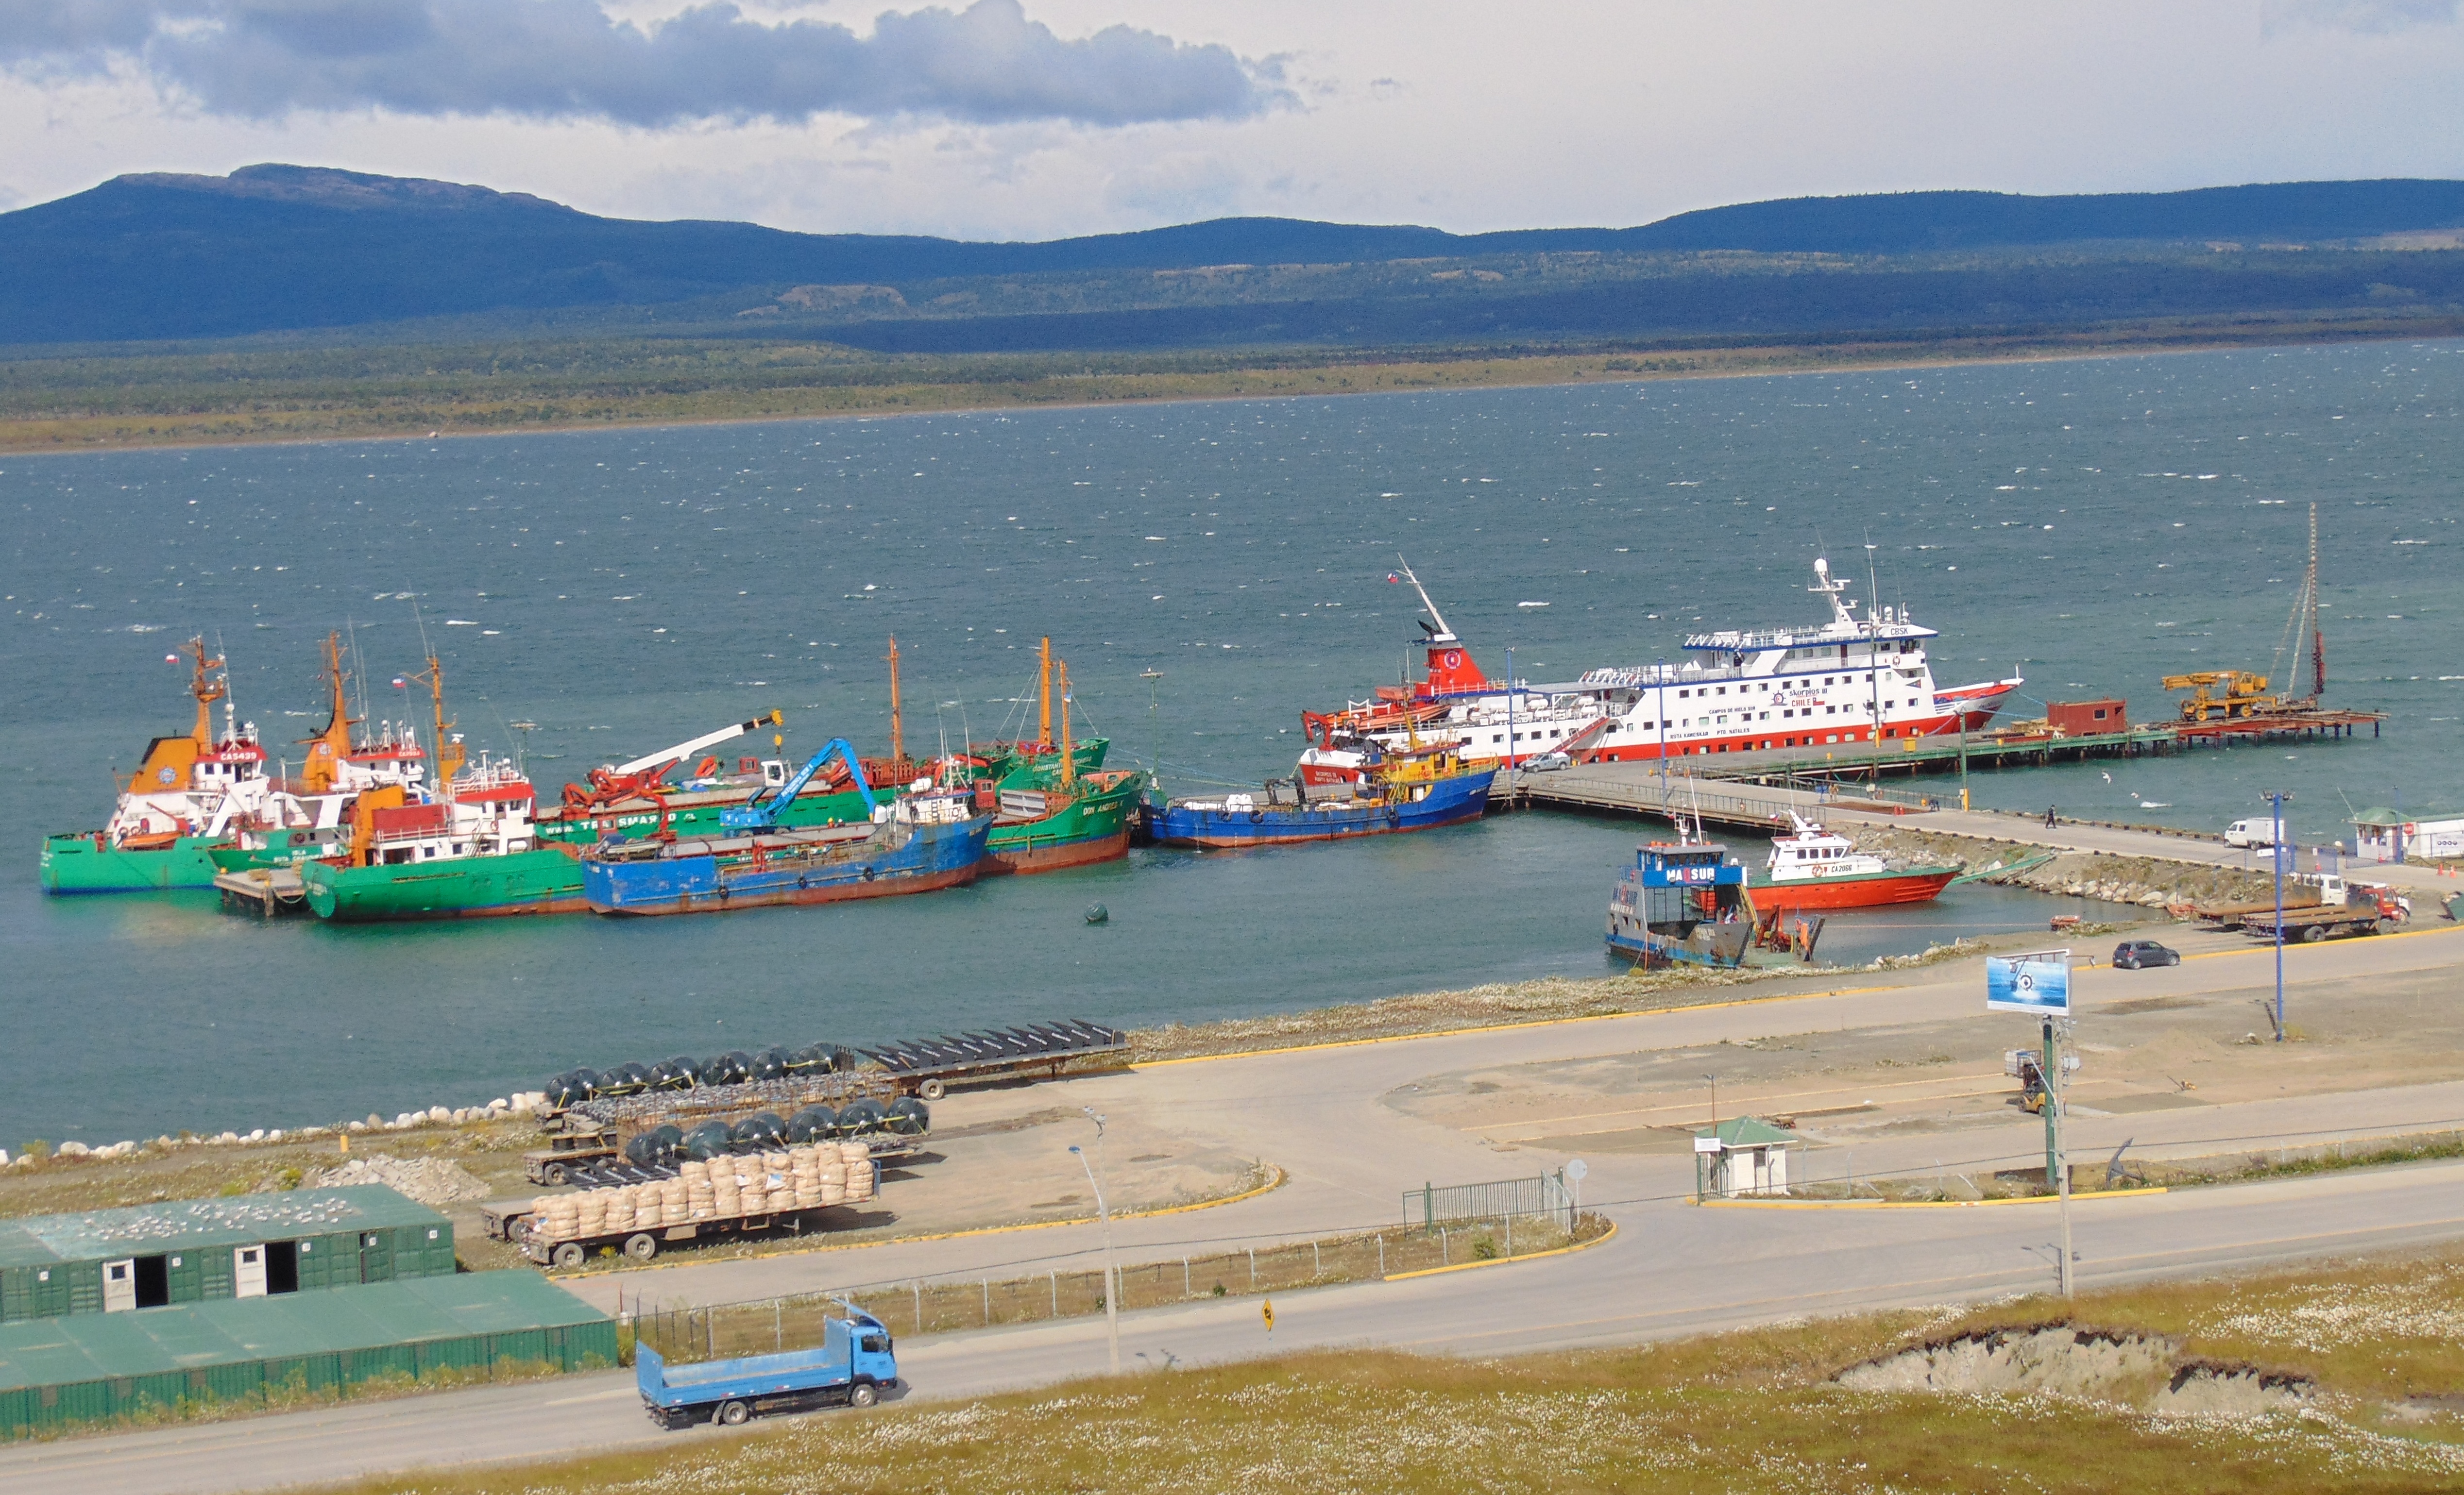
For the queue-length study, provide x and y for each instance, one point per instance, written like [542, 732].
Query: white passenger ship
[1849, 681]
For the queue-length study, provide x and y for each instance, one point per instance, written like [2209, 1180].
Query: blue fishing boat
[1686, 904]
[922, 842]
[1404, 789]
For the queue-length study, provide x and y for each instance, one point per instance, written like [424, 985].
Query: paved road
[1672, 1269]
[1322, 1115]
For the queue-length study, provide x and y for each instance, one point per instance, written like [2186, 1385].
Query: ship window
[1724, 690]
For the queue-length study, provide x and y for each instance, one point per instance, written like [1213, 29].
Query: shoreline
[330, 419]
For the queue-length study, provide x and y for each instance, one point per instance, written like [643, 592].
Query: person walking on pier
[2049, 817]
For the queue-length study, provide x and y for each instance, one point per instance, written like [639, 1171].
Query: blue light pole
[1510, 718]
[2276, 801]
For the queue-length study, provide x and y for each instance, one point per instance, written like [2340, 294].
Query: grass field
[2379, 1345]
[88, 400]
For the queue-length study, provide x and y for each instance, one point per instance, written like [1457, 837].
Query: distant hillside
[276, 247]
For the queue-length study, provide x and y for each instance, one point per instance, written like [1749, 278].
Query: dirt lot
[2156, 1054]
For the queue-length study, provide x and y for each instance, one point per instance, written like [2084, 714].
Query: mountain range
[279, 249]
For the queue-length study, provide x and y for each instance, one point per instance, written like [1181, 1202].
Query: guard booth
[1739, 1157]
[251, 1246]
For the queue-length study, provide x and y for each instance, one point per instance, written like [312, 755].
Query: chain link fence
[766, 1325]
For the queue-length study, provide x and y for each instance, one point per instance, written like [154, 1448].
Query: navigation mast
[897, 727]
[1043, 658]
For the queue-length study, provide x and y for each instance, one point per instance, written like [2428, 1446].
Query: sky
[1044, 118]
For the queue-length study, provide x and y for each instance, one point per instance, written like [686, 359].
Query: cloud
[569, 60]
[2366, 16]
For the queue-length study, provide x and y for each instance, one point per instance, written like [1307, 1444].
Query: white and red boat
[1851, 681]
[1814, 869]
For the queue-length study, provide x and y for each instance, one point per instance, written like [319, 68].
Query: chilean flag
[401, 684]
[1392, 579]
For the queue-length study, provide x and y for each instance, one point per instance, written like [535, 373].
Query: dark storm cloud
[569, 60]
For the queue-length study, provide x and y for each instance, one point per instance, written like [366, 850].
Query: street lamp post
[1111, 1278]
[1509, 723]
[2277, 802]
[1660, 676]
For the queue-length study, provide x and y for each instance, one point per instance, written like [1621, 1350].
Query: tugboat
[1684, 904]
[472, 853]
[1395, 789]
[1814, 869]
[925, 839]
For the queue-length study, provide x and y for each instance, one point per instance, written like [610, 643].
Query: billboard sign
[2038, 983]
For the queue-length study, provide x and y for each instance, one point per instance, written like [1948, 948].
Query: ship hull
[1449, 801]
[932, 857]
[86, 864]
[543, 881]
[1854, 891]
[1707, 944]
[1087, 830]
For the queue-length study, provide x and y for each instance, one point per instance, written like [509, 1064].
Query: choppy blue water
[2092, 523]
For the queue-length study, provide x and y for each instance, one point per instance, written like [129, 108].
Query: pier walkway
[1640, 789]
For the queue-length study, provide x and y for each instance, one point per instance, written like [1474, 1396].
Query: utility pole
[1963, 760]
[2277, 802]
[1509, 722]
[2058, 1087]
[1112, 1275]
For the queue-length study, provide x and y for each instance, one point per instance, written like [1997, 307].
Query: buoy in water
[1097, 913]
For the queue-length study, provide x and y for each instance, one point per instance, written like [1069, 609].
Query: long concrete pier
[1642, 789]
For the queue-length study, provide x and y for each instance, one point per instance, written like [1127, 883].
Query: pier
[270, 891]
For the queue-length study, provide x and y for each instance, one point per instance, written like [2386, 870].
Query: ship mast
[1044, 728]
[897, 726]
[1068, 749]
[450, 755]
[333, 743]
[207, 691]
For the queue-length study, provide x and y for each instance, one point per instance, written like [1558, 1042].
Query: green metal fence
[1546, 1195]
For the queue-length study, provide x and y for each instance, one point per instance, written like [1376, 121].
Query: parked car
[2132, 955]
[1546, 763]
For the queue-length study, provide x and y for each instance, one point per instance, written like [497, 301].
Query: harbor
[348, 1018]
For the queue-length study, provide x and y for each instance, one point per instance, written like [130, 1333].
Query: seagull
[2109, 778]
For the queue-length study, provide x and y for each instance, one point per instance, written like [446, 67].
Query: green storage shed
[62, 1371]
[248, 1245]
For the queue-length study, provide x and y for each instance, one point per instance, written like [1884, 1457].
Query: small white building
[2384, 835]
[1741, 1156]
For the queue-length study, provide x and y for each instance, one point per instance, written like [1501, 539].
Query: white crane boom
[685, 749]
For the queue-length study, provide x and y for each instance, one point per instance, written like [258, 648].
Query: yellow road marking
[1506, 1260]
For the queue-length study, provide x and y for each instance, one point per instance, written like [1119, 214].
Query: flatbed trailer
[2322, 921]
[927, 1068]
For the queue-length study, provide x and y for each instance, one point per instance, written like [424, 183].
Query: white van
[2259, 832]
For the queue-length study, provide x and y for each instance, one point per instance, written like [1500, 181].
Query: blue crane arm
[761, 811]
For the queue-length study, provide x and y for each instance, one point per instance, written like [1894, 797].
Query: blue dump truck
[851, 1368]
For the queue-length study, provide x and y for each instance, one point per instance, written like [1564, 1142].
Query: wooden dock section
[268, 891]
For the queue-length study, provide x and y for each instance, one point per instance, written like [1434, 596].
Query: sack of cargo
[833, 1191]
[855, 1154]
[859, 1185]
[776, 1163]
[808, 1198]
